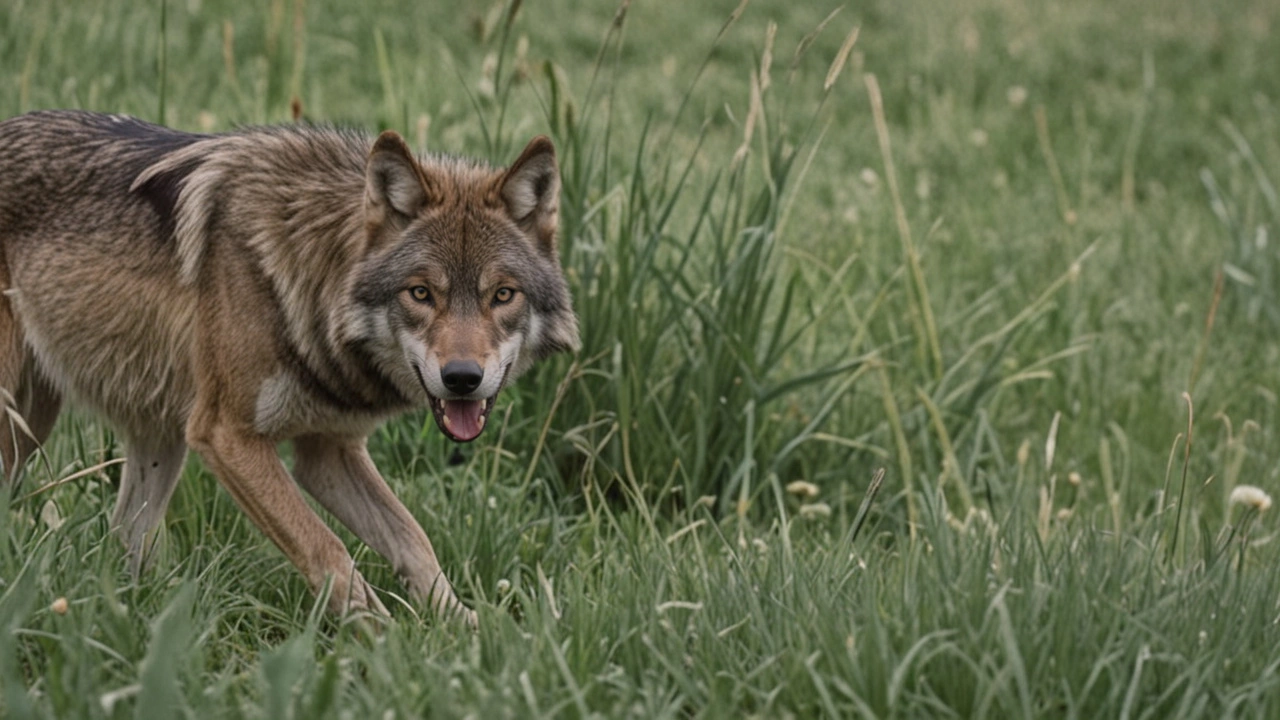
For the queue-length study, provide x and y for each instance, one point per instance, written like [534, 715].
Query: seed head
[815, 510]
[801, 488]
[1251, 496]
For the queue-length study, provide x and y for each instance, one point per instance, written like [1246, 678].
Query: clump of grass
[687, 317]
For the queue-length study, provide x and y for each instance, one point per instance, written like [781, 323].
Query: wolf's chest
[287, 407]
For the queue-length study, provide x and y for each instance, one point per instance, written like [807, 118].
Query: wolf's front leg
[339, 473]
[251, 471]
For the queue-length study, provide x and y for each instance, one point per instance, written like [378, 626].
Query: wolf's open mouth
[461, 420]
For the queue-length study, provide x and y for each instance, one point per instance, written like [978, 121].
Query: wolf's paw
[356, 598]
[450, 609]
[365, 599]
[362, 609]
[468, 616]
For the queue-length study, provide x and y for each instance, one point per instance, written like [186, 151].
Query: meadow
[924, 346]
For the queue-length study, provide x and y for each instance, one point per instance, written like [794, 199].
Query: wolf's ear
[530, 189]
[393, 180]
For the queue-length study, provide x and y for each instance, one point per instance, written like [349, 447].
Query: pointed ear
[530, 189]
[394, 183]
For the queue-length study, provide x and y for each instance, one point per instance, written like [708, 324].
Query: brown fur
[229, 292]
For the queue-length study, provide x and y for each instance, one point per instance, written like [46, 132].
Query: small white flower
[1252, 496]
[59, 606]
[978, 137]
[815, 510]
[802, 488]
[869, 177]
[504, 586]
[1017, 96]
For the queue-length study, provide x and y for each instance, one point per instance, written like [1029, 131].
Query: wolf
[231, 292]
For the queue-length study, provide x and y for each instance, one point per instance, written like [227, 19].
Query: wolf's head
[461, 286]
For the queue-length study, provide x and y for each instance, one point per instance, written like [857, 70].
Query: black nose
[461, 376]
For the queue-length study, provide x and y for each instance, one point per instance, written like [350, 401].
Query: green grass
[1073, 178]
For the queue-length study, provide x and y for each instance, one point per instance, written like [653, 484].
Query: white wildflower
[815, 510]
[1252, 496]
[801, 488]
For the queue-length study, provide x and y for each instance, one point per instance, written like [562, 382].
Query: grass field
[1018, 254]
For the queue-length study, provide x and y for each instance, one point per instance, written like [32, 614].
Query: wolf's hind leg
[39, 403]
[23, 391]
[151, 473]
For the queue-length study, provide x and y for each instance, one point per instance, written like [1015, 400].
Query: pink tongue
[464, 418]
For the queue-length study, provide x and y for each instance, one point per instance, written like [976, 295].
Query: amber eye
[420, 293]
[503, 296]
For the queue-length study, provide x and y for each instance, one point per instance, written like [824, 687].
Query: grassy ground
[1011, 295]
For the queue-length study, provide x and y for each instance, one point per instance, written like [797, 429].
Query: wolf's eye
[503, 296]
[420, 293]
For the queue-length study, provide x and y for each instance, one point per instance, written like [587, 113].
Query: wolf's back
[63, 170]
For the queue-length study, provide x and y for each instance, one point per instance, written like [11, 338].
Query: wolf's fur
[228, 292]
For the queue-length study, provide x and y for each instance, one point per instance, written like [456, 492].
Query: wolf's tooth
[483, 419]
[447, 422]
